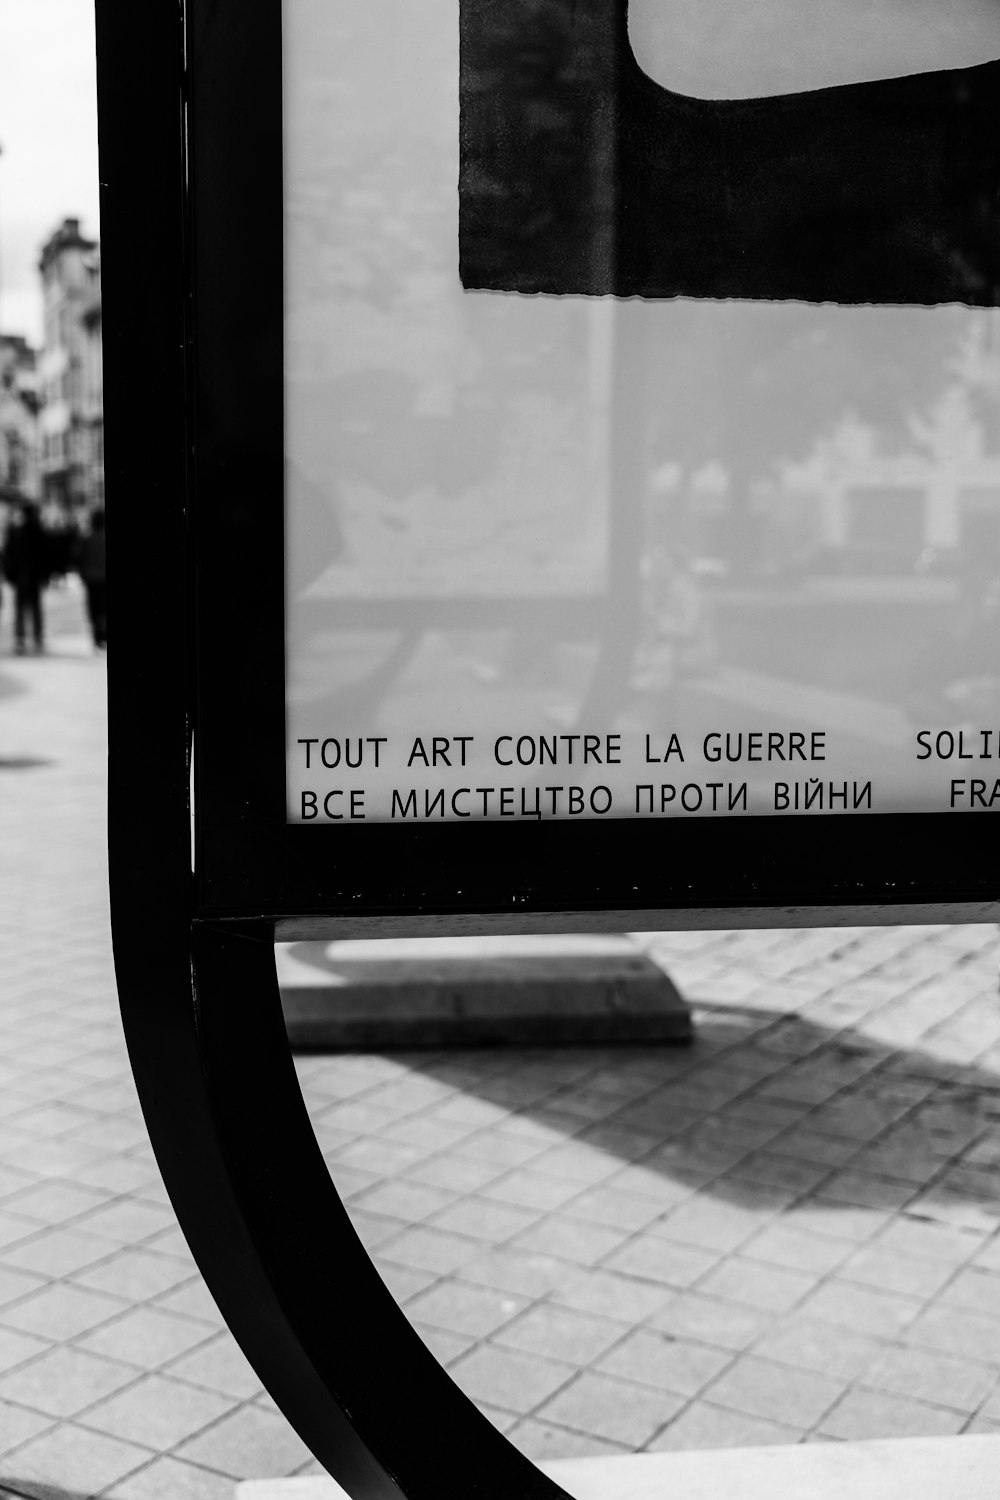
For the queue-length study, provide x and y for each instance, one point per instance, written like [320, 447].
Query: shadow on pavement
[764, 1106]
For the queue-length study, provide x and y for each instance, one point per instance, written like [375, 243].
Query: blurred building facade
[19, 475]
[70, 419]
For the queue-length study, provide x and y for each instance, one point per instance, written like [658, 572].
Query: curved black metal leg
[274, 1242]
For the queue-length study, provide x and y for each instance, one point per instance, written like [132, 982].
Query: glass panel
[579, 557]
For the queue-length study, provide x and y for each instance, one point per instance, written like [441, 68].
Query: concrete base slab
[959, 1468]
[462, 992]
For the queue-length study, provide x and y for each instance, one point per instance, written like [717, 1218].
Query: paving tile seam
[801, 1434]
[103, 1200]
[797, 1434]
[546, 1300]
[9, 1453]
[969, 1415]
[115, 1484]
[128, 1306]
[153, 1451]
[846, 1386]
[41, 1231]
[538, 1413]
[485, 1340]
[489, 1340]
[22, 1299]
[886, 1345]
[78, 1419]
[97, 1117]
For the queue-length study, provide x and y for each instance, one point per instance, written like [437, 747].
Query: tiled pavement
[117, 1376]
[786, 1231]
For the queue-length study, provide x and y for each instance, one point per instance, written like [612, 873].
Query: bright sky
[48, 142]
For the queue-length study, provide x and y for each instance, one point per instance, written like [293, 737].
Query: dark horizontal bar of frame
[475, 924]
[671, 866]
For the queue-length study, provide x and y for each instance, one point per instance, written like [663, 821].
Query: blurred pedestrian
[61, 536]
[91, 564]
[26, 567]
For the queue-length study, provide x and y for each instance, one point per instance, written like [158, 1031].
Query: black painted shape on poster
[580, 174]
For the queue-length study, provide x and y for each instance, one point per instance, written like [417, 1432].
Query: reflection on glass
[568, 557]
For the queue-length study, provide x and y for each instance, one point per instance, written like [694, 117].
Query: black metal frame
[192, 251]
[200, 1003]
[250, 859]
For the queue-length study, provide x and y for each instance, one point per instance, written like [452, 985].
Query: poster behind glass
[592, 556]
